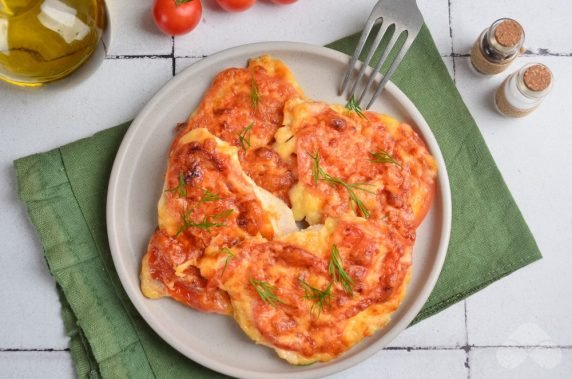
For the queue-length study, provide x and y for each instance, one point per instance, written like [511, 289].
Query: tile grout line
[545, 53]
[174, 59]
[466, 323]
[467, 346]
[476, 347]
[452, 44]
[548, 347]
[528, 53]
[144, 56]
[390, 348]
[11, 350]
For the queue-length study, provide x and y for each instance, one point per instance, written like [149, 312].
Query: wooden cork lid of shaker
[537, 78]
[509, 33]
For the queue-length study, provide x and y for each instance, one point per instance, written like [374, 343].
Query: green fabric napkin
[65, 193]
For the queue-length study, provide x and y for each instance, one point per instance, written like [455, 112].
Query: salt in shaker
[523, 91]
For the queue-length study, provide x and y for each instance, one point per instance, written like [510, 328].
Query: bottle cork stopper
[537, 78]
[509, 33]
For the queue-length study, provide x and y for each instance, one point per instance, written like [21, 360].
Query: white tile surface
[32, 365]
[40, 120]
[546, 23]
[183, 63]
[311, 21]
[30, 311]
[133, 31]
[519, 363]
[414, 364]
[66, 111]
[450, 66]
[445, 329]
[534, 161]
[528, 308]
[436, 15]
[386, 364]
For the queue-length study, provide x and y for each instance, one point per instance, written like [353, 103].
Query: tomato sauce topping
[245, 107]
[210, 204]
[290, 295]
[362, 152]
[376, 260]
[189, 288]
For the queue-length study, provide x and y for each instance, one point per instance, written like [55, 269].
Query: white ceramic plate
[137, 178]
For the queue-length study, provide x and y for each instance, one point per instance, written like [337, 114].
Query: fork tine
[370, 53]
[384, 55]
[366, 30]
[392, 68]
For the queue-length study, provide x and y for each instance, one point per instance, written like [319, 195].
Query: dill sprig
[205, 223]
[208, 196]
[223, 215]
[254, 92]
[319, 174]
[229, 256]
[336, 270]
[383, 156]
[353, 105]
[181, 188]
[320, 298]
[244, 139]
[266, 292]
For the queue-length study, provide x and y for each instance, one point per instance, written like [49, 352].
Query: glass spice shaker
[497, 46]
[523, 91]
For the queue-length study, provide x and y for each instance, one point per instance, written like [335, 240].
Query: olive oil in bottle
[45, 40]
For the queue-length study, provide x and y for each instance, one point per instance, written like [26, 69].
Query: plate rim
[112, 219]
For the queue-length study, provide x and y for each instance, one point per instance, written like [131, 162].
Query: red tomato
[177, 16]
[235, 5]
[284, 1]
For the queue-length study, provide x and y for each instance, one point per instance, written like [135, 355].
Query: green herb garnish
[229, 256]
[319, 174]
[208, 196]
[223, 215]
[266, 292]
[353, 105]
[204, 224]
[181, 188]
[244, 139]
[254, 92]
[383, 156]
[320, 298]
[336, 270]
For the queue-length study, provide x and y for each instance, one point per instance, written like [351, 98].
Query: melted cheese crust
[300, 330]
[345, 143]
[225, 225]
[252, 97]
[201, 164]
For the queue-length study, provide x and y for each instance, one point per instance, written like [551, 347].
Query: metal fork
[407, 18]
